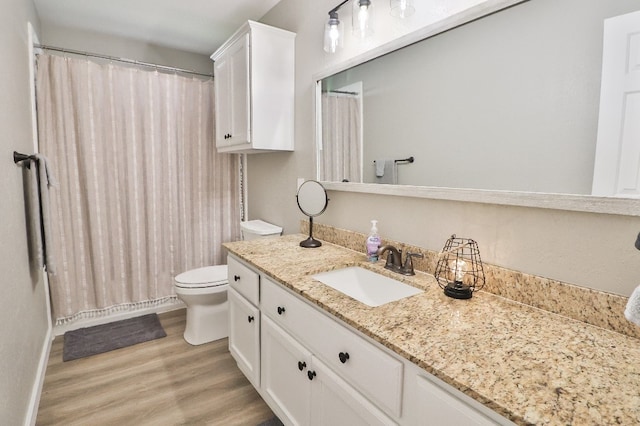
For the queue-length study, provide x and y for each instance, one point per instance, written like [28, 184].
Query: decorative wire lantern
[459, 270]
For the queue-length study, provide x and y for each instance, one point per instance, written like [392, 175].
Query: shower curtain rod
[125, 60]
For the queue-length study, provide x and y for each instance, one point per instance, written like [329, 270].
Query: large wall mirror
[501, 109]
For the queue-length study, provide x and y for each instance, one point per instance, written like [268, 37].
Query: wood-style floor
[161, 382]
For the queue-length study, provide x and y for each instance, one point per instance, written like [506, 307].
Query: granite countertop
[529, 365]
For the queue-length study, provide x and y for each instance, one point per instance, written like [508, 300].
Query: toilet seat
[209, 276]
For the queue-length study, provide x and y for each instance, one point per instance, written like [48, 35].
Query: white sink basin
[366, 286]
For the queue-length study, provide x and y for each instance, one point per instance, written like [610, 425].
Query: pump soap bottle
[373, 242]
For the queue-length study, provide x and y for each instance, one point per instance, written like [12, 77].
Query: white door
[285, 370]
[617, 161]
[244, 336]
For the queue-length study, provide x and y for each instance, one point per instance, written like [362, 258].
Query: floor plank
[161, 382]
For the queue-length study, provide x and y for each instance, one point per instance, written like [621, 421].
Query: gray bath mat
[89, 341]
[272, 422]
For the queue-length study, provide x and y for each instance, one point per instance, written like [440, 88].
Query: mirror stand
[310, 242]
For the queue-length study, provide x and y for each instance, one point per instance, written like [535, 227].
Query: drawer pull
[311, 374]
[236, 278]
[280, 310]
[250, 318]
[344, 356]
[301, 365]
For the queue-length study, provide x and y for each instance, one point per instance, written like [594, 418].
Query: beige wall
[23, 314]
[592, 250]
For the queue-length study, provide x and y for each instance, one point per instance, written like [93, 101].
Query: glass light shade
[333, 34]
[401, 8]
[362, 18]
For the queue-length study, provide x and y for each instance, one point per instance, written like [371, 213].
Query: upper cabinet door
[222, 70]
[617, 162]
[232, 95]
[254, 79]
[240, 91]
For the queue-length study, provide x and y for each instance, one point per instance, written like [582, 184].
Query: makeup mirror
[312, 201]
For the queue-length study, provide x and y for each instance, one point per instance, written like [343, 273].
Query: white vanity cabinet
[311, 369]
[294, 379]
[244, 319]
[254, 90]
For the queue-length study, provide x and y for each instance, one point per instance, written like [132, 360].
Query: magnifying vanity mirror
[312, 201]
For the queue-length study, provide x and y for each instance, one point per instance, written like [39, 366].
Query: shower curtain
[142, 193]
[341, 150]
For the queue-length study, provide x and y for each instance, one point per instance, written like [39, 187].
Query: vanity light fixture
[361, 21]
[459, 270]
[401, 8]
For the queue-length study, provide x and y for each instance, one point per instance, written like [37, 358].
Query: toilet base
[206, 323]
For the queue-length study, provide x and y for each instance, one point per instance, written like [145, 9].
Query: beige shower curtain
[142, 193]
[341, 150]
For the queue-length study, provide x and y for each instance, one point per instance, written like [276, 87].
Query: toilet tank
[254, 229]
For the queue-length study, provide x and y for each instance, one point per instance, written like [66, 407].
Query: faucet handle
[407, 268]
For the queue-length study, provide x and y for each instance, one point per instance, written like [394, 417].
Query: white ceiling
[193, 25]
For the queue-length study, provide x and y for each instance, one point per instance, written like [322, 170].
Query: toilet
[204, 291]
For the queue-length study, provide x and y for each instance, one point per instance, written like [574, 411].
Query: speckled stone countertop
[529, 365]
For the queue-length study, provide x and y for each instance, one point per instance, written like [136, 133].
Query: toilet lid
[209, 276]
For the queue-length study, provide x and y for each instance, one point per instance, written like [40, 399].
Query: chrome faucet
[394, 260]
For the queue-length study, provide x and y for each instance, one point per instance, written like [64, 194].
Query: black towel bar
[18, 157]
[405, 160]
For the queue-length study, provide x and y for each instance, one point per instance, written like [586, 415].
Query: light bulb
[362, 17]
[458, 269]
[333, 34]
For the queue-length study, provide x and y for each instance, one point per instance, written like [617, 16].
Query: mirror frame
[556, 201]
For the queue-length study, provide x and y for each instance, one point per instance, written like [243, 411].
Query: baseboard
[38, 383]
[59, 330]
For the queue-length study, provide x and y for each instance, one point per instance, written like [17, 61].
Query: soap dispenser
[373, 242]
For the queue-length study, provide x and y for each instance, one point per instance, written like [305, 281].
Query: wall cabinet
[313, 370]
[254, 90]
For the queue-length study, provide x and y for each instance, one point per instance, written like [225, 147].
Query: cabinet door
[222, 83]
[285, 369]
[240, 92]
[442, 408]
[335, 403]
[244, 336]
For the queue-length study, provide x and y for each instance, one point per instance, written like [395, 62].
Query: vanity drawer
[244, 280]
[367, 368]
[286, 310]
